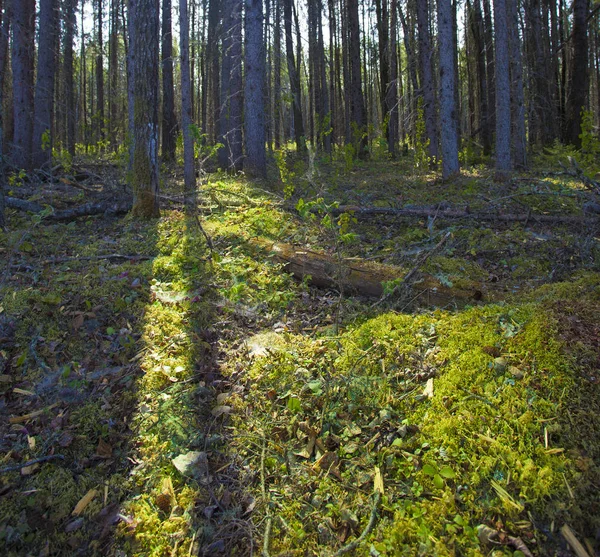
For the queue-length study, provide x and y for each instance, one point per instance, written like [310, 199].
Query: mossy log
[99, 208]
[440, 213]
[365, 278]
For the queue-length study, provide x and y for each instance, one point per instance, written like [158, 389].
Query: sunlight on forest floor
[188, 402]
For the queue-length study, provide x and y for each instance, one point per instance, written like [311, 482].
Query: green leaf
[110, 331]
[429, 470]
[438, 481]
[294, 405]
[447, 472]
[459, 520]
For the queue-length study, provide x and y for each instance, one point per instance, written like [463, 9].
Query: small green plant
[590, 143]
[422, 158]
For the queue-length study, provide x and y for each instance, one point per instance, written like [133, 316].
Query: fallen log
[88, 209]
[434, 212]
[365, 278]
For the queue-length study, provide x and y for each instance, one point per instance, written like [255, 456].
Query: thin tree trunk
[391, 94]
[489, 65]
[483, 83]
[519, 140]
[427, 88]
[448, 107]
[189, 172]
[113, 72]
[169, 122]
[4, 32]
[23, 27]
[144, 174]
[503, 162]
[578, 82]
[357, 101]
[254, 114]
[230, 155]
[99, 116]
[294, 78]
[277, 54]
[44, 87]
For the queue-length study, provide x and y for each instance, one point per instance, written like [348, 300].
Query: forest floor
[158, 397]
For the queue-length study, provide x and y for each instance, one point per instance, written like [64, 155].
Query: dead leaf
[84, 502]
[77, 321]
[222, 397]
[428, 392]
[104, 450]
[218, 411]
[65, 439]
[28, 470]
[378, 481]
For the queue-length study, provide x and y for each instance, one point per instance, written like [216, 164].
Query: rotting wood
[88, 209]
[435, 212]
[361, 277]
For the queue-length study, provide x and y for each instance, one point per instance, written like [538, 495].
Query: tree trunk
[44, 87]
[427, 88]
[482, 81]
[391, 94]
[69, 106]
[144, 172]
[519, 139]
[213, 65]
[189, 171]
[448, 137]
[357, 101]
[169, 122]
[113, 75]
[277, 54]
[4, 32]
[489, 65]
[23, 30]
[503, 162]
[578, 81]
[230, 122]
[99, 116]
[255, 163]
[294, 78]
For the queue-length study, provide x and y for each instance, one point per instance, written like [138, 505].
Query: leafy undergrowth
[183, 401]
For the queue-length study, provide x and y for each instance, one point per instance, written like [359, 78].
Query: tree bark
[189, 172]
[23, 28]
[519, 139]
[360, 277]
[391, 94]
[4, 32]
[482, 81]
[294, 79]
[230, 121]
[503, 161]
[448, 107]
[144, 173]
[169, 122]
[100, 115]
[255, 163]
[44, 87]
[427, 87]
[579, 79]
[357, 102]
